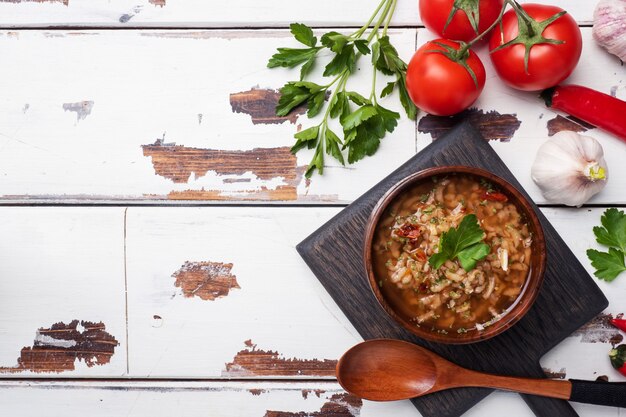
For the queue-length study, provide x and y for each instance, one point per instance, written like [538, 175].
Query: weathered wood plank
[263, 399]
[278, 322]
[200, 13]
[175, 126]
[62, 306]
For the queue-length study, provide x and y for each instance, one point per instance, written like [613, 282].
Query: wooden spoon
[388, 370]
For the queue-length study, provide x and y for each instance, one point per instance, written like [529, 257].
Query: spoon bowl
[391, 361]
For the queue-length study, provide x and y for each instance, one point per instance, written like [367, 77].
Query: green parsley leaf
[409, 107]
[388, 89]
[339, 105]
[291, 57]
[295, 93]
[317, 162]
[346, 59]
[332, 146]
[464, 242]
[361, 45]
[356, 98]
[609, 264]
[388, 62]
[613, 232]
[306, 138]
[472, 254]
[361, 114]
[334, 41]
[307, 67]
[316, 102]
[389, 118]
[303, 34]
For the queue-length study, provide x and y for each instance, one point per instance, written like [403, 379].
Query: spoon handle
[599, 392]
[534, 386]
[591, 392]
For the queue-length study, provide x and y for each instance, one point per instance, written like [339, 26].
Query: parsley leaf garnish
[363, 120]
[613, 232]
[610, 264]
[464, 242]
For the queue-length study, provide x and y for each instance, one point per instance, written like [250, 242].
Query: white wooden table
[107, 226]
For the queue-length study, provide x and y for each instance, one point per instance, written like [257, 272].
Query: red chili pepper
[599, 109]
[619, 323]
[409, 231]
[618, 358]
[494, 196]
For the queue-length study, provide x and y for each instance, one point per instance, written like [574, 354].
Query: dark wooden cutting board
[568, 299]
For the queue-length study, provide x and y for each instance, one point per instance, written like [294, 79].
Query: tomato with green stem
[444, 77]
[536, 46]
[460, 20]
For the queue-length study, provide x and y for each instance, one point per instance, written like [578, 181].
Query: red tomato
[548, 64]
[434, 14]
[440, 86]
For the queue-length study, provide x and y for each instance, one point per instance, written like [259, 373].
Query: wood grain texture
[206, 280]
[171, 92]
[252, 361]
[59, 347]
[63, 266]
[336, 261]
[200, 13]
[228, 399]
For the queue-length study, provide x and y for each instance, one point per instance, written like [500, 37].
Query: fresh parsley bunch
[364, 122]
[610, 264]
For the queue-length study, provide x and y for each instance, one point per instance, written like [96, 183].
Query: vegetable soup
[452, 253]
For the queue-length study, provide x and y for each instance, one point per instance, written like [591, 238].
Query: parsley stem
[393, 9]
[343, 77]
[380, 21]
[360, 32]
[373, 94]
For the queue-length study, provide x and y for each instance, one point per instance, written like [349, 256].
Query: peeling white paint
[43, 339]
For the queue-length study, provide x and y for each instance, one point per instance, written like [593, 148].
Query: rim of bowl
[533, 281]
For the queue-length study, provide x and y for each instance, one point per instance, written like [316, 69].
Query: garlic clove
[570, 168]
[609, 26]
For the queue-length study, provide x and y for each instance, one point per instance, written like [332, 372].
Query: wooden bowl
[533, 281]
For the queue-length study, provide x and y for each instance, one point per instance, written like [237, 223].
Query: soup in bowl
[455, 254]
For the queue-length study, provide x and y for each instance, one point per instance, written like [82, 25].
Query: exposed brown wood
[572, 123]
[256, 392]
[206, 280]
[317, 392]
[600, 330]
[256, 362]
[157, 2]
[280, 193]
[339, 405]
[492, 125]
[260, 104]
[57, 348]
[177, 163]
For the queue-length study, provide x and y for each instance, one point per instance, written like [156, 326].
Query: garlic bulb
[609, 26]
[570, 168]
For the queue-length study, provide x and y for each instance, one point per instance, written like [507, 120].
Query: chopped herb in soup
[453, 254]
